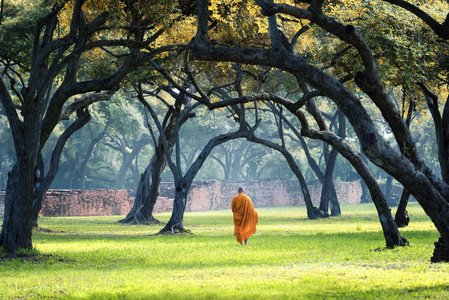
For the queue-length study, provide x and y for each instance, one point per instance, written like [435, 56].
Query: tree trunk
[88, 154]
[401, 217]
[389, 228]
[148, 187]
[183, 183]
[18, 217]
[176, 222]
[227, 163]
[441, 122]
[312, 212]
[126, 164]
[82, 179]
[52, 59]
[236, 163]
[328, 193]
[147, 192]
[388, 189]
[18, 214]
[366, 197]
[72, 171]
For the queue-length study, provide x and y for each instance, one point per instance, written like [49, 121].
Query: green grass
[290, 257]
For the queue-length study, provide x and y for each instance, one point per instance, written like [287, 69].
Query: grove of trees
[126, 93]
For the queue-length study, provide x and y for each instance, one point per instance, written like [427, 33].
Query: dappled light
[287, 257]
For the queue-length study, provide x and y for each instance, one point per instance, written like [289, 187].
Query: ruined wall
[203, 195]
[85, 202]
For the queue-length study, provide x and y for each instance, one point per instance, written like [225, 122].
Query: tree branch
[441, 30]
[85, 101]
[83, 118]
[11, 113]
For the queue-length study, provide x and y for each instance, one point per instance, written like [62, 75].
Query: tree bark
[147, 192]
[176, 222]
[18, 214]
[366, 197]
[401, 217]
[388, 188]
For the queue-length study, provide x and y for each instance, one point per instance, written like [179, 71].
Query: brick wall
[204, 195]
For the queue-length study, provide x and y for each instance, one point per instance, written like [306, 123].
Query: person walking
[245, 217]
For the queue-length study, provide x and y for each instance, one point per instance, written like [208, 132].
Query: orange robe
[245, 217]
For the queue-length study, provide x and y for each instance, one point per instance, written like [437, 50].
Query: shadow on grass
[267, 292]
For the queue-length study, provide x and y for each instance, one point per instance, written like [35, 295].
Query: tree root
[174, 229]
[318, 213]
[139, 219]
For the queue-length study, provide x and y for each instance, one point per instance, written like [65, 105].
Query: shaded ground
[26, 257]
[29, 255]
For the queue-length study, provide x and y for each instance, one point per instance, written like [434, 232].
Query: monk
[245, 217]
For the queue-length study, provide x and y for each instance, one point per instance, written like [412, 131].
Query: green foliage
[126, 115]
[289, 257]
[123, 121]
[18, 28]
[405, 48]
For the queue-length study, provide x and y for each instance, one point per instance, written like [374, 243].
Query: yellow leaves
[97, 64]
[95, 7]
[180, 33]
[237, 22]
[121, 13]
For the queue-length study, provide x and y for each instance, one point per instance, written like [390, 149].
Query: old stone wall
[203, 195]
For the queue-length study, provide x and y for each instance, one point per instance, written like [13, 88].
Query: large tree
[67, 36]
[147, 190]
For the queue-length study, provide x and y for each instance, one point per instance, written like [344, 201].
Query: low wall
[203, 195]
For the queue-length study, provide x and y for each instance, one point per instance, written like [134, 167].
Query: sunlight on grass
[289, 257]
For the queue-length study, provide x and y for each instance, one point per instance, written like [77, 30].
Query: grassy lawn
[290, 257]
